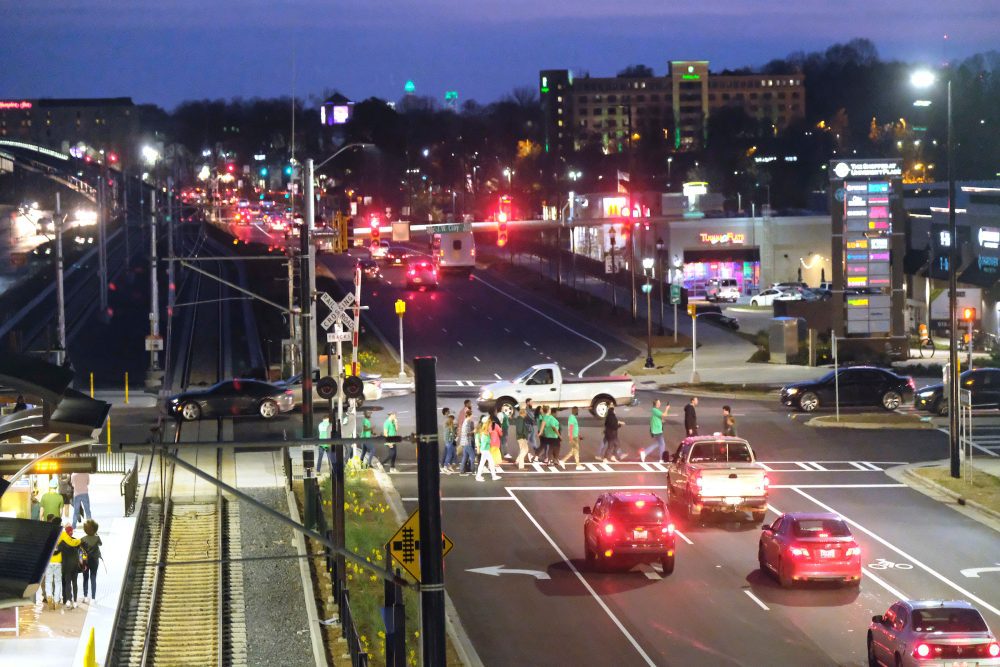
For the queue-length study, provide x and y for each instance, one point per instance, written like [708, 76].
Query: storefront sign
[726, 238]
[15, 104]
[865, 169]
[989, 237]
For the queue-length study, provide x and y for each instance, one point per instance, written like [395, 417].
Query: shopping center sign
[725, 238]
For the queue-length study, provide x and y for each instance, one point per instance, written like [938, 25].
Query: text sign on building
[725, 238]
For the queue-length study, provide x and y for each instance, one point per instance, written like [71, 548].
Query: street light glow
[150, 154]
[923, 78]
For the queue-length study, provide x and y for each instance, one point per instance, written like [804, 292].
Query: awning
[79, 414]
[724, 254]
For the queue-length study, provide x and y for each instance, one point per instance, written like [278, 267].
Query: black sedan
[231, 398]
[858, 385]
[982, 383]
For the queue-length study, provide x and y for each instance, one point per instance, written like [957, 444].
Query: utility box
[786, 336]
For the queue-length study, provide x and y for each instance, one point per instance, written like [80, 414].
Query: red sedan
[802, 546]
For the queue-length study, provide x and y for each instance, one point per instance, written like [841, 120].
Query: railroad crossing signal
[338, 311]
[405, 545]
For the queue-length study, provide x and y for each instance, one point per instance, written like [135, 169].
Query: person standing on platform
[52, 501]
[66, 491]
[68, 553]
[90, 545]
[81, 497]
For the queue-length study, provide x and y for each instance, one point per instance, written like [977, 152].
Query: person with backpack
[90, 547]
[450, 434]
[68, 553]
[66, 491]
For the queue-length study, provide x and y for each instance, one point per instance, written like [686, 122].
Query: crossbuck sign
[338, 311]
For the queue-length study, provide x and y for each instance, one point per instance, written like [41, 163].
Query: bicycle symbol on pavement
[883, 564]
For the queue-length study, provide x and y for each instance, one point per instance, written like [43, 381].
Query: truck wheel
[506, 406]
[600, 406]
[758, 517]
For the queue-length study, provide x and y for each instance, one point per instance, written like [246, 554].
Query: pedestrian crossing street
[633, 467]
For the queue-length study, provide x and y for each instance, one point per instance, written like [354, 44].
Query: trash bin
[785, 339]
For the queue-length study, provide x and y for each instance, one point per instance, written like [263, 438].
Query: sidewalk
[58, 638]
[722, 355]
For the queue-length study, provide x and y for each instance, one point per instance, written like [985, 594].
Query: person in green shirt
[573, 432]
[656, 417]
[390, 429]
[367, 450]
[522, 434]
[483, 445]
[51, 501]
[549, 429]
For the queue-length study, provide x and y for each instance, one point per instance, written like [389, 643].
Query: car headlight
[486, 395]
[926, 394]
[792, 390]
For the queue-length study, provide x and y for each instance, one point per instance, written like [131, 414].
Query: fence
[112, 462]
[358, 657]
[130, 488]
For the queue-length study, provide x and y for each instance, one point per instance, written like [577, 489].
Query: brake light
[922, 651]
[609, 528]
[853, 550]
[993, 649]
[698, 481]
[640, 503]
[668, 529]
[799, 552]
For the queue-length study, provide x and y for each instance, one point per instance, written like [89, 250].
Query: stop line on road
[632, 467]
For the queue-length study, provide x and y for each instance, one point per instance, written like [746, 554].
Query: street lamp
[647, 269]
[509, 173]
[926, 79]
[660, 245]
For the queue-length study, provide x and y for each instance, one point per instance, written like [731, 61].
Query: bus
[453, 246]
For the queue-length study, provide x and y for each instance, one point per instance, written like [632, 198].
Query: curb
[459, 638]
[908, 471]
[823, 422]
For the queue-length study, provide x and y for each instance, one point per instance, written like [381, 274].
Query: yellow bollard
[91, 385]
[90, 653]
[109, 434]
[126, 387]
[67, 437]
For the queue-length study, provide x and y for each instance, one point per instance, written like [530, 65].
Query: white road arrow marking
[973, 572]
[497, 570]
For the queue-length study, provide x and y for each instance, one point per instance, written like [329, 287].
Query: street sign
[341, 336]
[451, 227]
[675, 294]
[154, 343]
[405, 545]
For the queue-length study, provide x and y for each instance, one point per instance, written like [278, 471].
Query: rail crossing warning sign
[405, 545]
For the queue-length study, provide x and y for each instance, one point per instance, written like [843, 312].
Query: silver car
[931, 632]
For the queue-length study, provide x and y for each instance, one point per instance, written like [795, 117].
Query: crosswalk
[633, 467]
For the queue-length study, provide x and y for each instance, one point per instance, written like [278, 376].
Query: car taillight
[289, 392]
[413, 272]
[609, 528]
[668, 529]
[922, 651]
[699, 482]
[993, 650]
[799, 552]
[853, 550]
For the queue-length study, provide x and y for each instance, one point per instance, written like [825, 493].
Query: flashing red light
[112, 287]
[922, 650]
[112, 158]
[609, 528]
[231, 168]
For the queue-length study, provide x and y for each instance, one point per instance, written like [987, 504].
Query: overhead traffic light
[289, 170]
[501, 232]
[263, 172]
[231, 168]
[969, 314]
[375, 231]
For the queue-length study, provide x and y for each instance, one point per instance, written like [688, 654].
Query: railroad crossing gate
[338, 311]
[405, 545]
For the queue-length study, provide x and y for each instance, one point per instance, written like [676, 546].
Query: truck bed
[606, 378]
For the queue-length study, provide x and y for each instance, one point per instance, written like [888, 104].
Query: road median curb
[909, 474]
[828, 421]
[456, 631]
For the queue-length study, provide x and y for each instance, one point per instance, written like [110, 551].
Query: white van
[453, 246]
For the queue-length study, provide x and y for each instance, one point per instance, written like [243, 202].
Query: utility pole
[153, 374]
[429, 492]
[60, 292]
[171, 279]
[103, 210]
[128, 252]
[308, 227]
[307, 330]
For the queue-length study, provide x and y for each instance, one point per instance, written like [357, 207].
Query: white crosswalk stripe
[632, 467]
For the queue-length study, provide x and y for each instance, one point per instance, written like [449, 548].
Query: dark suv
[982, 383]
[625, 528]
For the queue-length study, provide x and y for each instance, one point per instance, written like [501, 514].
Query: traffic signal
[231, 168]
[501, 232]
[288, 170]
[375, 231]
[692, 309]
[969, 314]
[263, 172]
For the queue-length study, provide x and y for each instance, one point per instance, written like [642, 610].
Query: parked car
[721, 320]
[625, 528]
[420, 273]
[983, 383]
[803, 546]
[791, 294]
[716, 473]
[545, 384]
[231, 398]
[858, 385]
[765, 297]
[795, 284]
[931, 632]
[372, 384]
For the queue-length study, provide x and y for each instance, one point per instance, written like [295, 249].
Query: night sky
[172, 50]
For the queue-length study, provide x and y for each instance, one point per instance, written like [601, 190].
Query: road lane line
[798, 463]
[443, 330]
[757, 600]
[476, 358]
[649, 571]
[766, 467]
[506, 329]
[647, 467]
[582, 580]
[817, 466]
[836, 486]
[459, 343]
[884, 584]
[458, 382]
[461, 498]
[497, 376]
[604, 350]
[859, 466]
[659, 467]
[934, 573]
[526, 343]
[683, 536]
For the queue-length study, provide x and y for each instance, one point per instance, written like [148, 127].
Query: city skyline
[167, 54]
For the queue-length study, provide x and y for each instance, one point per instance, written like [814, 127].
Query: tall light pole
[661, 278]
[647, 269]
[58, 221]
[613, 274]
[925, 79]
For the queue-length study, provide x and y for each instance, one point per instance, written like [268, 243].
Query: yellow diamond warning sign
[405, 545]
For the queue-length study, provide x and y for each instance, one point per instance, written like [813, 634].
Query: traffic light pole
[953, 376]
[310, 224]
[307, 332]
[429, 493]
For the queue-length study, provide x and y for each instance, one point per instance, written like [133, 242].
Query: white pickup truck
[545, 384]
[715, 473]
